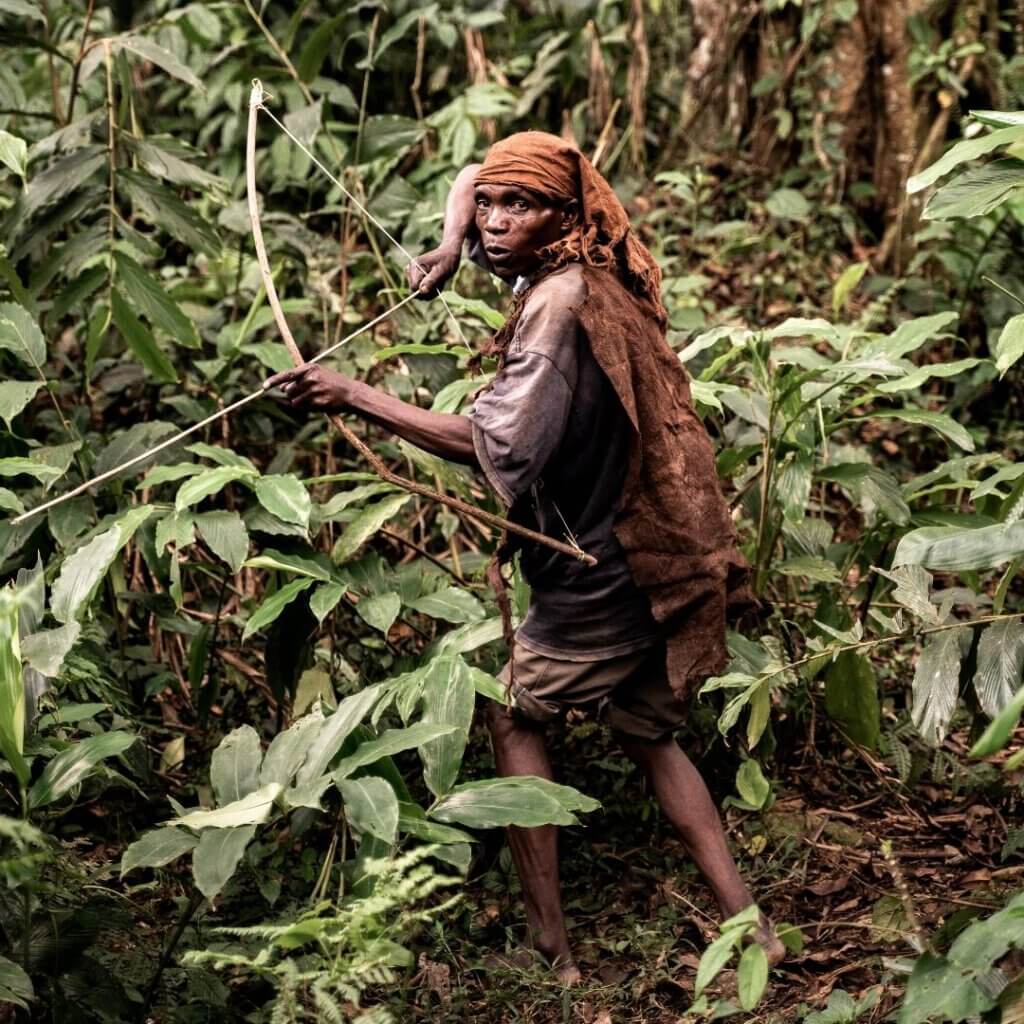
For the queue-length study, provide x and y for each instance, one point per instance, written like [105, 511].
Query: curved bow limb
[378, 466]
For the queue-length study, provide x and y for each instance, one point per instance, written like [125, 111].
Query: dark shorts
[629, 692]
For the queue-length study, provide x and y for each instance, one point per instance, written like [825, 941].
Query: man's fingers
[285, 376]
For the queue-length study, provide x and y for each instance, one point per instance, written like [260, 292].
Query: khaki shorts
[629, 692]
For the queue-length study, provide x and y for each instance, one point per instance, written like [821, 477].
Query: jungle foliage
[238, 683]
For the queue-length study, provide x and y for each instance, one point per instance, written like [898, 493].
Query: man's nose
[496, 222]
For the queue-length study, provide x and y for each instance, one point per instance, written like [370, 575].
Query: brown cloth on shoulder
[672, 523]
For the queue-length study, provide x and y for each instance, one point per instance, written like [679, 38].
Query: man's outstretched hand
[429, 273]
[314, 388]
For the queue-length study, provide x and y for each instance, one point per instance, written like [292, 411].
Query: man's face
[514, 224]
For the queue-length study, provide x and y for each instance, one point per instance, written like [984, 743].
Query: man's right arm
[428, 273]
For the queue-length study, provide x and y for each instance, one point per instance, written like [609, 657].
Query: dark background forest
[241, 777]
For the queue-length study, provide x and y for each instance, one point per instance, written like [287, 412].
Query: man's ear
[570, 214]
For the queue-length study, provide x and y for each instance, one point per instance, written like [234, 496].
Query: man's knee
[505, 722]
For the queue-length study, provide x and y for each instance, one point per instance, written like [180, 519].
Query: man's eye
[481, 203]
[520, 205]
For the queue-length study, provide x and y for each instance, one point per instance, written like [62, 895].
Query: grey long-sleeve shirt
[553, 442]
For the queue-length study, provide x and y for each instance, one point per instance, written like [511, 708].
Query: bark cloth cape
[672, 523]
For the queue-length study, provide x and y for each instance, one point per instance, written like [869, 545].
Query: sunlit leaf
[218, 855]
[74, 764]
[157, 848]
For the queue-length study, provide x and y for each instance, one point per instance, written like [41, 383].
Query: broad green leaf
[149, 298]
[235, 767]
[274, 605]
[977, 191]
[379, 610]
[872, 488]
[936, 685]
[20, 335]
[74, 764]
[963, 152]
[923, 374]
[467, 638]
[449, 698]
[788, 204]
[46, 650]
[15, 984]
[168, 474]
[14, 153]
[210, 481]
[14, 396]
[752, 975]
[157, 848]
[1010, 346]
[10, 502]
[285, 497]
[911, 335]
[951, 548]
[217, 857]
[390, 742]
[851, 698]
[335, 730]
[365, 525]
[253, 809]
[322, 603]
[371, 806]
[1000, 729]
[847, 281]
[81, 573]
[12, 690]
[178, 528]
[1000, 664]
[225, 535]
[937, 421]
[494, 803]
[713, 959]
[751, 784]
[453, 604]
[17, 466]
[145, 48]
[913, 591]
[488, 686]
[222, 456]
[285, 562]
[412, 820]
[330, 509]
[288, 749]
[939, 990]
[61, 178]
[810, 567]
[140, 340]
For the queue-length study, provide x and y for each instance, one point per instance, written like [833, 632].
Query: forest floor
[639, 916]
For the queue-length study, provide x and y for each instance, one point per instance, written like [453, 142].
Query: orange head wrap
[553, 168]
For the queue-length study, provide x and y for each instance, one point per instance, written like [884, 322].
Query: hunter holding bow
[586, 431]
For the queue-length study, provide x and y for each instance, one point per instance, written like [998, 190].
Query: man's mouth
[497, 254]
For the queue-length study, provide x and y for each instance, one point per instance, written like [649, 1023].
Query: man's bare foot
[567, 973]
[522, 959]
[764, 935]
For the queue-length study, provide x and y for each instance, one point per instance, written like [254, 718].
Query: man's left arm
[314, 387]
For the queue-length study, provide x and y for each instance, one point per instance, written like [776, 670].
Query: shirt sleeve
[519, 422]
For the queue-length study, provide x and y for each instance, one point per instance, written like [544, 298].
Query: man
[587, 431]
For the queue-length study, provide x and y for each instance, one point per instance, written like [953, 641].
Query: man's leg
[519, 750]
[686, 802]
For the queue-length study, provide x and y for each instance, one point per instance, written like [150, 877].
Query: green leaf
[788, 204]
[157, 848]
[235, 767]
[74, 764]
[274, 605]
[752, 976]
[14, 396]
[412, 820]
[288, 750]
[141, 341]
[911, 335]
[285, 562]
[1000, 729]
[379, 610]
[453, 604]
[149, 297]
[61, 179]
[336, 729]
[217, 857]
[82, 572]
[168, 474]
[165, 60]
[10, 502]
[936, 685]
[20, 335]
[1000, 664]
[951, 548]
[939, 990]
[390, 742]
[253, 809]
[210, 481]
[751, 784]
[963, 152]
[365, 525]
[977, 191]
[46, 650]
[493, 803]
[713, 959]
[922, 374]
[371, 806]
[449, 698]
[851, 698]
[810, 567]
[323, 601]
[1010, 346]
[12, 689]
[15, 984]
[16, 466]
[938, 421]
[848, 280]
[225, 535]
[285, 497]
